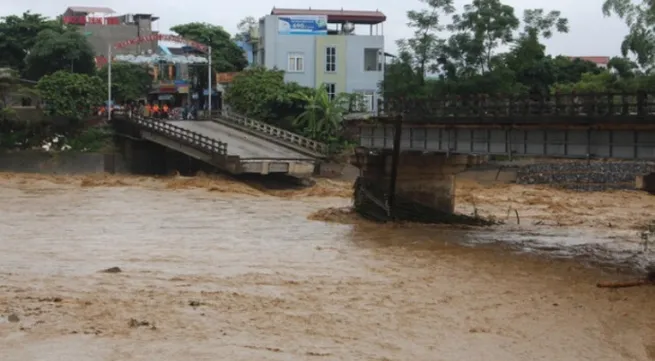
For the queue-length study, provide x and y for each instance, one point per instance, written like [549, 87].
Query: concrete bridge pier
[425, 185]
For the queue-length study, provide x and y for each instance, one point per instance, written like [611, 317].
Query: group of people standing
[164, 111]
[156, 111]
[152, 110]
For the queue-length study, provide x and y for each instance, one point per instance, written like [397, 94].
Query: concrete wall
[267, 38]
[360, 80]
[133, 157]
[278, 47]
[58, 163]
[427, 180]
[646, 183]
[29, 114]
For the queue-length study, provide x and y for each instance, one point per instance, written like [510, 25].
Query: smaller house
[600, 61]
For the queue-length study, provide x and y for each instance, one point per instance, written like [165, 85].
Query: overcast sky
[591, 34]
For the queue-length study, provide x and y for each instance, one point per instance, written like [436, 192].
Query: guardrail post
[642, 103]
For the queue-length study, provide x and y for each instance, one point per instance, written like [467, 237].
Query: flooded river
[214, 269]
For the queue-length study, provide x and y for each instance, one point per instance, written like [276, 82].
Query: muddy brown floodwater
[213, 269]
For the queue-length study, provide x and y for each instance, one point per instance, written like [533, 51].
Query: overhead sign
[302, 25]
[161, 37]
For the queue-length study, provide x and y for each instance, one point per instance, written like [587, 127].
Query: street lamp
[209, 83]
[209, 78]
[109, 83]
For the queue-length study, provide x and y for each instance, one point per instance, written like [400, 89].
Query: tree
[489, 24]
[640, 40]
[624, 67]
[528, 58]
[71, 95]
[571, 70]
[226, 55]
[400, 79]
[245, 27]
[18, 35]
[128, 81]
[60, 50]
[322, 116]
[262, 94]
[536, 23]
[424, 46]
[589, 83]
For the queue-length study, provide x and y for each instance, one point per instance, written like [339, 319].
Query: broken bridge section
[235, 144]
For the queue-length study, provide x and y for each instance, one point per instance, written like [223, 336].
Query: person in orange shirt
[165, 111]
[155, 110]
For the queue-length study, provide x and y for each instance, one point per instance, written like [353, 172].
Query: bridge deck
[246, 146]
[569, 143]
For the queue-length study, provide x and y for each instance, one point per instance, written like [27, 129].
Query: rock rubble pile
[584, 176]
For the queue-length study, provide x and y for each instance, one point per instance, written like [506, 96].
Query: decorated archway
[161, 37]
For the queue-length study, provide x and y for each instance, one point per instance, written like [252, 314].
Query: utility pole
[395, 159]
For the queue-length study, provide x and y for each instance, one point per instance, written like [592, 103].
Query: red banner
[224, 78]
[161, 37]
[83, 20]
[75, 20]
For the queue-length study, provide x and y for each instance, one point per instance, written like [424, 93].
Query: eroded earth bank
[215, 269]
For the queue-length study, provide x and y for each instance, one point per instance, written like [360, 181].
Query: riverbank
[211, 266]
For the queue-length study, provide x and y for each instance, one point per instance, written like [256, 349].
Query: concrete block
[646, 182]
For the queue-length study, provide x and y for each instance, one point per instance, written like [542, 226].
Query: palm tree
[322, 116]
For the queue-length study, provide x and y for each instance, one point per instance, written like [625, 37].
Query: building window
[372, 60]
[296, 63]
[366, 101]
[331, 90]
[330, 59]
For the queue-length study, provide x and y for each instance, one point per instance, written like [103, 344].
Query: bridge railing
[281, 134]
[508, 106]
[190, 138]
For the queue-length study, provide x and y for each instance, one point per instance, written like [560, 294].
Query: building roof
[91, 9]
[337, 16]
[147, 16]
[177, 51]
[594, 59]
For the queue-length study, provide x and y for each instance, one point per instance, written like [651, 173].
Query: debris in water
[648, 280]
[344, 215]
[112, 270]
[134, 323]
